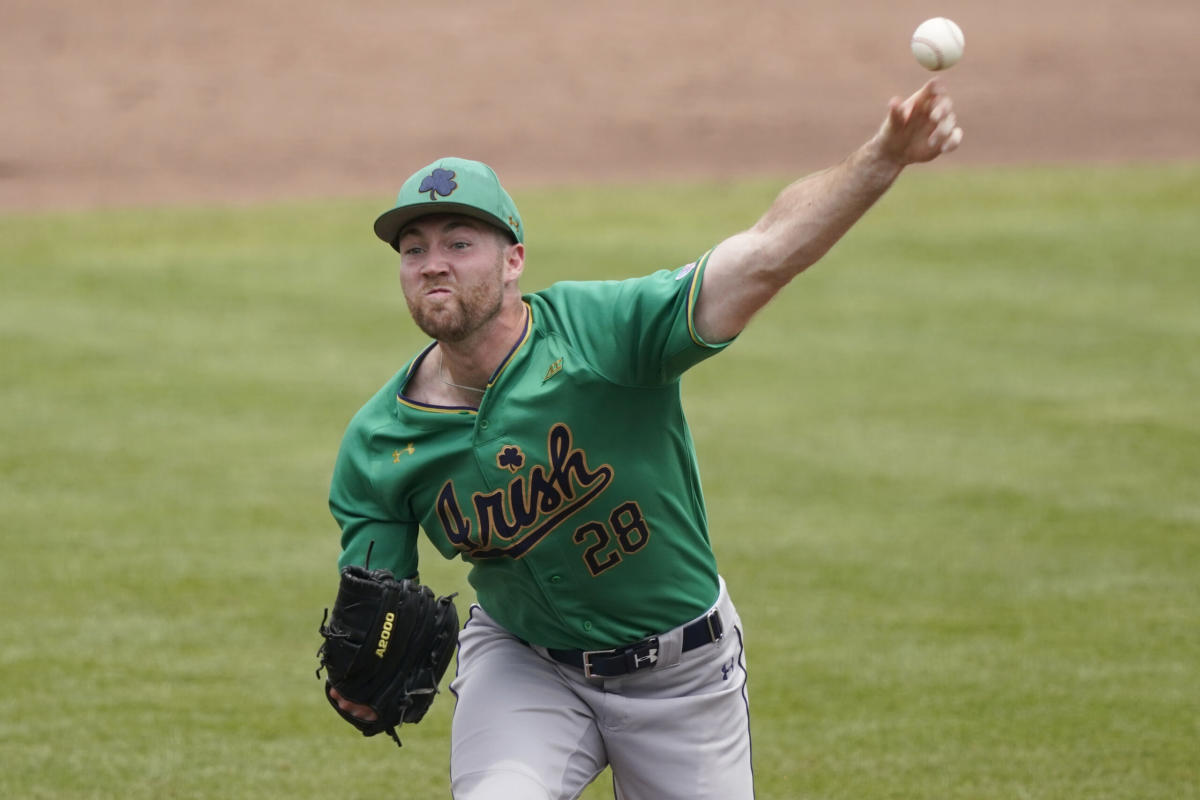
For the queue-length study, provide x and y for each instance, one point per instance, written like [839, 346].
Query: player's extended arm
[812, 214]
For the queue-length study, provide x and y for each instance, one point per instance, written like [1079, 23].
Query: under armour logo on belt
[651, 657]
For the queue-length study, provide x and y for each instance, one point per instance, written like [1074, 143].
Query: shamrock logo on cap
[439, 182]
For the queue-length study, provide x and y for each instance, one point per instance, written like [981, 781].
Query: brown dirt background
[134, 102]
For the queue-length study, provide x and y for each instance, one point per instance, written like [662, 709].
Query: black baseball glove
[387, 644]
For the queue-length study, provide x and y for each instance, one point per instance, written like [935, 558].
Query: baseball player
[540, 438]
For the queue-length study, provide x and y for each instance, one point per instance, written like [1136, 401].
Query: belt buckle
[717, 631]
[587, 661]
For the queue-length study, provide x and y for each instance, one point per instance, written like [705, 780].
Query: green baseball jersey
[573, 490]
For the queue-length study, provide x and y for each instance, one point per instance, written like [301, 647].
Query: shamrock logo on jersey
[439, 182]
[510, 458]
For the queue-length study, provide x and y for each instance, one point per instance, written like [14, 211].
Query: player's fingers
[941, 108]
[928, 95]
[944, 129]
[953, 141]
[365, 713]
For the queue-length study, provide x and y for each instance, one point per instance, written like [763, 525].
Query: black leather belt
[639, 655]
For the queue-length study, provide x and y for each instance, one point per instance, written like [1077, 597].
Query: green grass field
[953, 475]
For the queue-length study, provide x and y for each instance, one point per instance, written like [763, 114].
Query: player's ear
[514, 262]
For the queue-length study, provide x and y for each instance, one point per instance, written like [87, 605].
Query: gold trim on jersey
[418, 406]
[516, 347]
[693, 296]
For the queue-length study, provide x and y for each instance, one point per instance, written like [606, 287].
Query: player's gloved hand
[387, 644]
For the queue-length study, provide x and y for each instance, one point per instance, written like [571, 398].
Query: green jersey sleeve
[367, 519]
[641, 331]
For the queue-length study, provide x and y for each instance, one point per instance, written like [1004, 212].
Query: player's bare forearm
[812, 214]
[805, 221]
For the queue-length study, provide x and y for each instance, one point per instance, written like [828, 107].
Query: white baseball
[937, 43]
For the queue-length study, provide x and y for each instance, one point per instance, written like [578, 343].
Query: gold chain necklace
[442, 378]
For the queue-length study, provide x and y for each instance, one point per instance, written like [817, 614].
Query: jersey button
[556, 578]
[587, 624]
[483, 424]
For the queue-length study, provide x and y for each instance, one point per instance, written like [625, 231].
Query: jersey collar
[526, 330]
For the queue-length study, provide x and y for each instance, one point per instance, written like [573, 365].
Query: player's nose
[436, 265]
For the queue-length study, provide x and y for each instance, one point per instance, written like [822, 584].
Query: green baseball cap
[452, 186]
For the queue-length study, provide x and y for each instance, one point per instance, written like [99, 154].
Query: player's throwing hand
[920, 128]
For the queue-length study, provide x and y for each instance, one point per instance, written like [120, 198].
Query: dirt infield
[133, 102]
